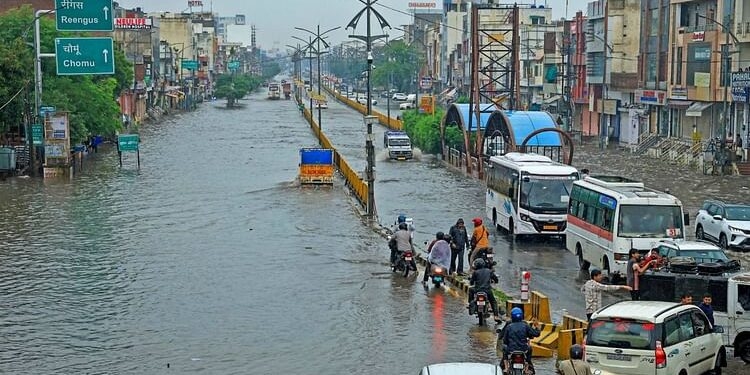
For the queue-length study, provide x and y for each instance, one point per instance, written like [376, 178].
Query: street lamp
[308, 48]
[370, 169]
[318, 38]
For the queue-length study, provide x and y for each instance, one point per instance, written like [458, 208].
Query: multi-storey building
[612, 46]
[651, 115]
[700, 62]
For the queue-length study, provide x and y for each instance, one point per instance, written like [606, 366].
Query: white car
[727, 224]
[650, 337]
[363, 100]
[461, 368]
[399, 97]
[407, 105]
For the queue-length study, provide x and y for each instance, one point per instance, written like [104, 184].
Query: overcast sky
[275, 19]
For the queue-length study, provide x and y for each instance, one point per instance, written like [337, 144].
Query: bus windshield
[650, 221]
[546, 194]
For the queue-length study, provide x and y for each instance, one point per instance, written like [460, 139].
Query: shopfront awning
[552, 99]
[679, 104]
[696, 109]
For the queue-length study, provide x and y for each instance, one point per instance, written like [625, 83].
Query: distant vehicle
[405, 106]
[609, 215]
[527, 194]
[287, 88]
[274, 91]
[650, 337]
[399, 97]
[727, 224]
[398, 145]
[307, 85]
[322, 104]
[362, 99]
[461, 368]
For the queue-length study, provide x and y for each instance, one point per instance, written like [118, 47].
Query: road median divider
[391, 123]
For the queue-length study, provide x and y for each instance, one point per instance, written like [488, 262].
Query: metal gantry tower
[495, 66]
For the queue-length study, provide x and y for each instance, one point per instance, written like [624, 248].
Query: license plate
[550, 227]
[408, 259]
[480, 303]
[518, 365]
[490, 256]
[401, 158]
[619, 357]
[437, 278]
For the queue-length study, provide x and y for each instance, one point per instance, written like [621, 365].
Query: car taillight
[661, 356]
[438, 270]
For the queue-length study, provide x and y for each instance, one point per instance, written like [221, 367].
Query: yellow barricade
[566, 339]
[540, 307]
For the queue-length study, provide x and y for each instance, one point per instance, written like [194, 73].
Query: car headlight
[735, 230]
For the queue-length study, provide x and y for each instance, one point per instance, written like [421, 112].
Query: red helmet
[477, 221]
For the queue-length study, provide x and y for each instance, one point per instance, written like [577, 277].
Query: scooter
[488, 255]
[517, 364]
[405, 263]
[437, 273]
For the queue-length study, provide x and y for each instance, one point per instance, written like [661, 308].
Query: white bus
[609, 215]
[527, 194]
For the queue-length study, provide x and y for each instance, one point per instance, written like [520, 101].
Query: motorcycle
[479, 306]
[488, 255]
[516, 364]
[405, 263]
[437, 273]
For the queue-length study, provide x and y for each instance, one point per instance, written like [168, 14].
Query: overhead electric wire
[14, 96]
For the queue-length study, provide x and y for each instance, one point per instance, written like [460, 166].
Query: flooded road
[211, 260]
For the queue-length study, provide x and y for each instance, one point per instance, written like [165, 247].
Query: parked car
[461, 368]
[653, 337]
[407, 105]
[399, 97]
[725, 223]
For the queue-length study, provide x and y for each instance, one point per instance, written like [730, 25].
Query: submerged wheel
[699, 235]
[723, 241]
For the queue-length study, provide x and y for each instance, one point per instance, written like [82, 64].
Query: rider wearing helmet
[517, 334]
[575, 365]
[409, 224]
[402, 239]
[440, 254]
[479, 239]
[481, 281]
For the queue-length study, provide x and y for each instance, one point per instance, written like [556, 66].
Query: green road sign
[37, 133]
[127, 142]
[189, 64]
[84, 15]
[233, 65]
[46, 109]
[76, 56]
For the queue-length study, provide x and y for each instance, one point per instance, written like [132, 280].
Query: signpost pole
[138, 156]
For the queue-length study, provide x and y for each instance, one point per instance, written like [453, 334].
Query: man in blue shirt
[707, 308]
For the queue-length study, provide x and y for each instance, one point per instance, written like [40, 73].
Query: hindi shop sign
[131, 23]
[422, 4]
[84, 15]
[654, 97]
[78, 56]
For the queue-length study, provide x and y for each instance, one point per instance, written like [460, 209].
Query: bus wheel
[582, 263]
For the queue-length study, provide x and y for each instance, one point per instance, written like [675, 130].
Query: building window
[684, 15]
[698, 61]
[654, 22]
[651, 67]
[678, 69]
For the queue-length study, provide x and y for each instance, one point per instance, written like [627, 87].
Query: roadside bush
[424, 130]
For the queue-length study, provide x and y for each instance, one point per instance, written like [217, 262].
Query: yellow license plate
[550, 227]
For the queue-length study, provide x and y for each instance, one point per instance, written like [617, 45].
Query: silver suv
[727, 224]
[650, 337]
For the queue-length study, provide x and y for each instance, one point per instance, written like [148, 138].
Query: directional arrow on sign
[106, 11]
[105, 53]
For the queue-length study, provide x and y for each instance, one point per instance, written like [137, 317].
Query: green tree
[90, 100]
[399, 62]
[424, 130]
[234, 87]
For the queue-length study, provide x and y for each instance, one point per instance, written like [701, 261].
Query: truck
[398, 145]
[730, 293]
[287, 88]
[316, 166]
[274, 91]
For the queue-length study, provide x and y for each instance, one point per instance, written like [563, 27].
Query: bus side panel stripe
[590, 227]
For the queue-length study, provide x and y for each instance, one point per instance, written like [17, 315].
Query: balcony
[742, 31]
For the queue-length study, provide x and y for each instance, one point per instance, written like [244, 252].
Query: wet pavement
[212, 260]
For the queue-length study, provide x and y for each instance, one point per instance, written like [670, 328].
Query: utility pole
[604, 131]
[318, 38]
[369, 145]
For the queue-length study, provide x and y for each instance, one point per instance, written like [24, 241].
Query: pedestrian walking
[633, 273]
[458, 246]
[592, 291]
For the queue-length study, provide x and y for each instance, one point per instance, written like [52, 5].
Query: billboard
[133, 23]
[422, 4]
[239, 19]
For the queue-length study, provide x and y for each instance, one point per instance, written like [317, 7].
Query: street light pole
[369, 38]
[318, 38]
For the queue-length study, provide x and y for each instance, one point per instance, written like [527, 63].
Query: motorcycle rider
[480, 281]
[516, 335]
[576, 365]
[480, 239]
[440, 254]
[402, 240]
[403, 219]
